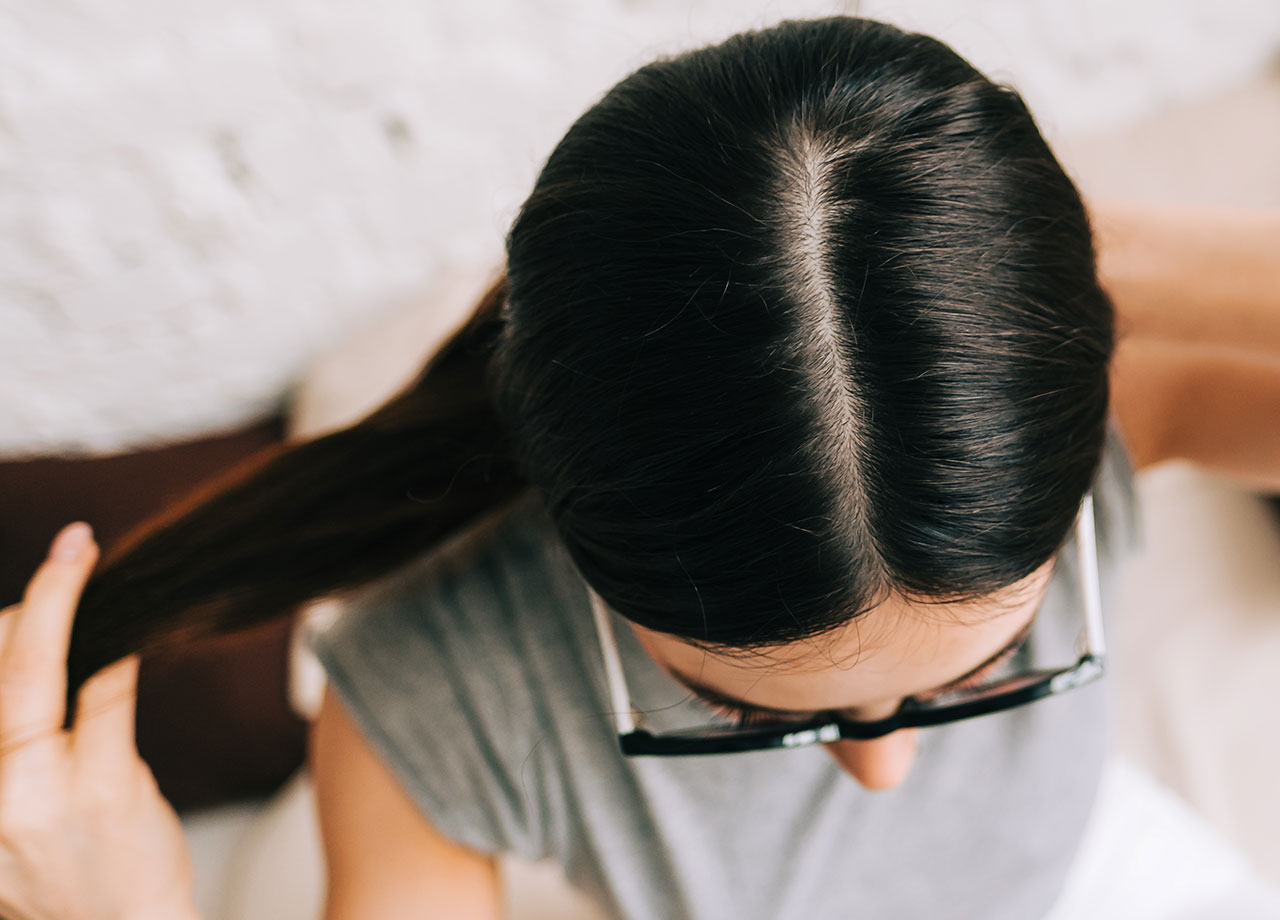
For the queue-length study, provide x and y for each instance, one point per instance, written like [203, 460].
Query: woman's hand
[84, 831]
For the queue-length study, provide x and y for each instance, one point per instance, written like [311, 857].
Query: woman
[787, 428]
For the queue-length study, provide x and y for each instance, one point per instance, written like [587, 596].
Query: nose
[879, 764]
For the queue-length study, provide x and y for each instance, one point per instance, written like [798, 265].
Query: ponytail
[297, 522]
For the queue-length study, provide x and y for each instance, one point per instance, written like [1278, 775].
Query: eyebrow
[711, 695]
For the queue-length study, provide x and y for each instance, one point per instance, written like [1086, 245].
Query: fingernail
[71, 542]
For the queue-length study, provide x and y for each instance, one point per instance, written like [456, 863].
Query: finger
[33, 672]
[7, 616]
[106, 710]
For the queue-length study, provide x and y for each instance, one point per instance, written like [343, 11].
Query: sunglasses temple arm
[1089, 586]
[619, 698]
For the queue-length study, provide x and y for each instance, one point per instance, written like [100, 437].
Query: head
[804, 347]
[800, 341]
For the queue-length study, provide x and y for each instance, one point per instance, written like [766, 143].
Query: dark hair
[789, 323]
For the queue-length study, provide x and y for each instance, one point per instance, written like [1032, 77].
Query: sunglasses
[953, 706]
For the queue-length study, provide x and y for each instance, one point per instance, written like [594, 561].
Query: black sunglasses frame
[825, 730]
[1018, 690]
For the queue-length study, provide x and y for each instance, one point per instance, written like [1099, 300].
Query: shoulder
[379, 849]
[438, 667]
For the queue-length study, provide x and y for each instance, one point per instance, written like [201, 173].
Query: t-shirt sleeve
[440, 697]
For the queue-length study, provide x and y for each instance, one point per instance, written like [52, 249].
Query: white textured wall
[198, 198]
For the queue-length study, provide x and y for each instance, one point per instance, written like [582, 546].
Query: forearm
[1197, 368]
[1210, 406]
[1193, 277]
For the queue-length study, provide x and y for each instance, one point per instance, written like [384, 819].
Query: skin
[84, 832]
[1197, 367]
[865, 668]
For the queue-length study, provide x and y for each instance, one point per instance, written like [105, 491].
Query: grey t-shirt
[475, 673]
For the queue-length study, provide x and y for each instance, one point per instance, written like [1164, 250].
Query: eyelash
[976, 679]
[746, 717]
